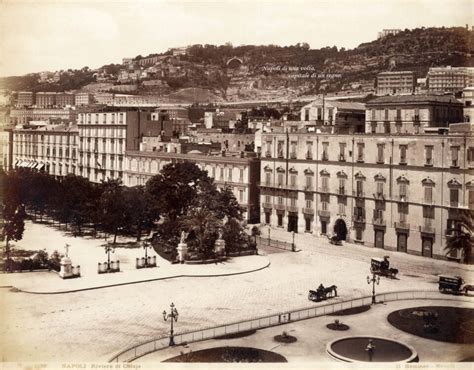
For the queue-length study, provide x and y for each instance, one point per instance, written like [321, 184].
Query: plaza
[96, 324]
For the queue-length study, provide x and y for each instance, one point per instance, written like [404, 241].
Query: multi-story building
[397, 192]
[468, 100]
[342, 117]
[391, 83]
[65, 99]
[45, 99]
[25, 99]
[105, 135]
[6, 137]
[83, 99]
[25, 115]
[407, 114]
[240, 173]
[386, 32]
[42, 146]
[449, 79]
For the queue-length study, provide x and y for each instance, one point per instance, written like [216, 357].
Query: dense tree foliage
[461, 236]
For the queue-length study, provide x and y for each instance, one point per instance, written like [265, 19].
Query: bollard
[78, 270]
[143, 261]
[118, 265]
[148, 261]
[99, 268]
[137, 263]
[154, 260]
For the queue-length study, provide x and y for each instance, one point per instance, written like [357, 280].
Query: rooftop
[408, 99]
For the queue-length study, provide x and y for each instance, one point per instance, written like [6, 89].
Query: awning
[40, 166]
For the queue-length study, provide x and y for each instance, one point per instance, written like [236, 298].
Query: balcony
[380, 160]
[323, 213]
[267, 205]
[378, 222]
[403, 161]
[293, 209]
[324, 189]
[280, 154]
[453, 204]
[341, 191]
[358, 194]
[293, 155]
[342, 158]
[360, 158]
[379, 196]
[268, 154]
[309, 156]
[280, 207]
[455, 163]
[416, 118]
[427, 229]
[429, 162]
[401, 198]
[308, 211]
[308, 188]
[402, 225]
[358, 219]
[324, 157]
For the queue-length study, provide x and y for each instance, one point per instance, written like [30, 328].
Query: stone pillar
[182, 251]
[66, 268]
[219, 247]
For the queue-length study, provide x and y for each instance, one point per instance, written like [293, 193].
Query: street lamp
[173, 315]
[108, 249]
[373, 280]
[146, 245]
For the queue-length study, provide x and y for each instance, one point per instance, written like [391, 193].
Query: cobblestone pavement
[95, 325]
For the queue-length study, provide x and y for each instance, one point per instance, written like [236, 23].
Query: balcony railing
[358, 219]
[268, 154]
[358, 194]
[323, 213]
[402, 225]
[279, 207]
[308, 211]
[280, 154]
[341, 191]
[429, 162]
[293, 155]
[308, 188]
[401, 197]
[378, 221]
[309, 156]
[342, 158]
[324, 157]
[379, 196]
[292, 209]
[453, 204]
[324, 189]
[267, 205]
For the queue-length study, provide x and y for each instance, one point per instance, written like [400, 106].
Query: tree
[234, 236]
[139, 212]
[461, 237]
[114, 209]
[203, 226]
[13, 225]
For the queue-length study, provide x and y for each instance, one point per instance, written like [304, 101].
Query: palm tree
[461, 237]
[203, 224]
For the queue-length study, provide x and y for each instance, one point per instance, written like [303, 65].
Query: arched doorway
[340, 229]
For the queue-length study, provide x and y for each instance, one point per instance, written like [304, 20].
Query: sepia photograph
[236, 184]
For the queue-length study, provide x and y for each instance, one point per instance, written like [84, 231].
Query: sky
[49, 35]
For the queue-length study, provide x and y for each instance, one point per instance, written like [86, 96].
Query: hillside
[256, 72]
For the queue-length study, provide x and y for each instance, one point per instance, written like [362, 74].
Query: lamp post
[373, 280]
[108, 249]
[173, 315]
[146, 245]
[293, 243]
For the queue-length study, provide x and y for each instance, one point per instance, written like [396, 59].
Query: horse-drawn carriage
[322, 293]
[454, 285]
[381, 266]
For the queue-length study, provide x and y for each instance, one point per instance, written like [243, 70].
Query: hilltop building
[392, 83]
[449, 79]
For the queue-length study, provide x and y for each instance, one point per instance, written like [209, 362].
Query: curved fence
[145, 348]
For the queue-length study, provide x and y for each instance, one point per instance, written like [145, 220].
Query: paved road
[96, 324]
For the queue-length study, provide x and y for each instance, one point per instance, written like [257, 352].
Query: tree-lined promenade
[180, 198]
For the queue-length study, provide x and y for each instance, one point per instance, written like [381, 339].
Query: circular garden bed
[351, 311]
[444, 324]
[237, 335]
[285, 338]
[229, 354]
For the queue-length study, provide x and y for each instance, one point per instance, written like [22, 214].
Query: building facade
[449, 79]
[23, 116]
[65, 99]
[391, 83]
[25, 99]
[240, 174]
[468, 101]
[81, 99]
[45, 99]
[411, 114]
[388, 31]
[51, 148]
[6, 137]
[399, 192]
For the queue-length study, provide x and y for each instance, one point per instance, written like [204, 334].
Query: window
[360, 152]
[325, 151]
[229, 178]
[359, 188]
[268, 199]
[330, 114]
[280, 200]
[309, 203]
[320, 114]
[324, 183]
[399, 114]
[307, 224]
[454, 156]
[267, 218]
[428, 212]
[309, 182]
[280, 179]
[402, 212]
[268, 178]
[380, 156]
[324, 206]
[341, 208]
[454, 197]
[280, 149]
[280, 219]
[269, 149]
[241, 176]
[359, 234]
[293, 202]
[306, 114]
[342, 186]
[428, 155]
[403, 191]
[470, 154]
[379, 189]
[342, 150]
[373, 127]
[293, 149]
[293, 180]
[241, 196]
[386, 114]
[359, 214]
[309, 150]
[221, 173]
[428, 194]
[403, 154]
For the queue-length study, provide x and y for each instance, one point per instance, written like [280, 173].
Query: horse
[468, 288]
[330, 290]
